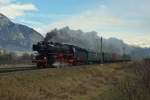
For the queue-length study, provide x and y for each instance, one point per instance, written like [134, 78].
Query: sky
[128, 20]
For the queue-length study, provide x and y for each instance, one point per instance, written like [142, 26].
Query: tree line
[13, 58]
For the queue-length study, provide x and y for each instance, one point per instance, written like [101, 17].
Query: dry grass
[134, 86]
[76, 83]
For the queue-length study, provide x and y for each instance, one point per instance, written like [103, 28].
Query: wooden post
[101, 50]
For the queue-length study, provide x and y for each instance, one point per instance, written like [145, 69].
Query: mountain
[139, 53]
[17, 37]
[91, 41]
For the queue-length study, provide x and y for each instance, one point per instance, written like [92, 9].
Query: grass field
[91, 82]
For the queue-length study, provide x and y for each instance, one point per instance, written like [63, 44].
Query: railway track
[28, 68]
[16, 69]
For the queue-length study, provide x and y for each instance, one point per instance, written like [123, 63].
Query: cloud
[99, 19]
[103, 17]
[87, 20]
[136, 39]
[13, 9]
[127, 20]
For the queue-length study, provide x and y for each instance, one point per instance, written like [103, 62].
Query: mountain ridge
[17, 37]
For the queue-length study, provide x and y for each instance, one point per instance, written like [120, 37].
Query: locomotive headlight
[34, 56]
[45, 58]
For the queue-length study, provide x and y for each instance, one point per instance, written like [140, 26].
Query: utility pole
[97, 47]
[101, 51]
[123, 53]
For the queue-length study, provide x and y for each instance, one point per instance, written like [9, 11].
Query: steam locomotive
[55, 54]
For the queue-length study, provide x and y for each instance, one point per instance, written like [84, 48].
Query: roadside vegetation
[122, 81]
[134, 86]
[13, 58]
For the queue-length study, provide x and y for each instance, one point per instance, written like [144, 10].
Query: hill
[17, 37]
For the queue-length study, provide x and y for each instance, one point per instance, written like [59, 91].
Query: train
[50, 54]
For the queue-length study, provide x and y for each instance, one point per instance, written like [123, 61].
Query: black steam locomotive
[50, 53]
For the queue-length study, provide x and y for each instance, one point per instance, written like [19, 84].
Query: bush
[136, 85]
